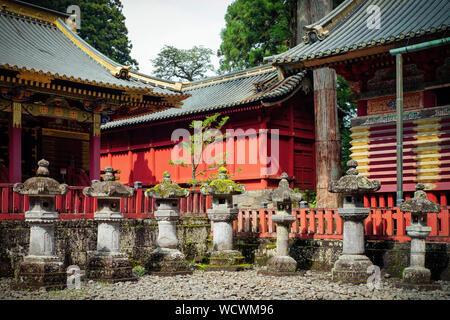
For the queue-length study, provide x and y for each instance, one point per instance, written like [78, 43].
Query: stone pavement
[243, 285]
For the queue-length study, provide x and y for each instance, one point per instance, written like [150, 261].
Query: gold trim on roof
[321, 31]
[40, 76]
[116, 71]
[29, 11]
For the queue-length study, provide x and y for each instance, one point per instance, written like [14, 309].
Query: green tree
[205, 133]
[190, 64]
[348, 107]
[254, 29]
[102, 26]
[258, 28]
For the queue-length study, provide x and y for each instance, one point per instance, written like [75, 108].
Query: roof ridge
[229, 77]
[111, 65]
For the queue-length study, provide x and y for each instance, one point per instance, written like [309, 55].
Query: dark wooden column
[328, 142]
[327, 137]
[15, 144]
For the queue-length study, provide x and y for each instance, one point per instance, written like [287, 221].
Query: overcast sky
[181, 23]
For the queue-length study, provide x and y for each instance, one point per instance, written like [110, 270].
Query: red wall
[143, 153]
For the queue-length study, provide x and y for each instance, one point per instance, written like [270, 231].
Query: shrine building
[254, 99]
[358, 40]
[55, 90]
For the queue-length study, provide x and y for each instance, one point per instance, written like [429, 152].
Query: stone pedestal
[222, 214]
[283, 197]
[41, 268]
[223, 257]
[107, 263]
[167, 260]
[416, 276]
[353, 263]
[282, 264]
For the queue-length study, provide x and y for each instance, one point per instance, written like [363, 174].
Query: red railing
[74, 205]
[315, 223]
[383, 223]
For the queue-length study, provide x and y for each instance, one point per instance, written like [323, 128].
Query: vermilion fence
[314, 223]
[383, 223]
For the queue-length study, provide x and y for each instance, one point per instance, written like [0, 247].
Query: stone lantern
[353, 263]
[41, 268]
[166, 259]
[282, 198]
[222, 214]
[108, 263]
[416, 275]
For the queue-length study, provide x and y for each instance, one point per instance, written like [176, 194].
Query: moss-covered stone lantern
[41, 268]
[107, 263]
[222, 214]
[353, 263]
[416, 275]
[166, 259]
[283, 197]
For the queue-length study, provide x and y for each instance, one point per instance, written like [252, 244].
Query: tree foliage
[258, 28]
[254, 29]
[205, 133]
[102, 26]
[190, 64]
[348, 106]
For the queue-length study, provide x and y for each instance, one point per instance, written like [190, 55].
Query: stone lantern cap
[419, 204]
[283, 193]
[108, 188]
[222, 185]
[41, 184]
[352, 183]
[167, 189]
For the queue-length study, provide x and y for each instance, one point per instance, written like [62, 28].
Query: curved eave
[317, 56]
[281, 92]
[110, 64]
[126, 88]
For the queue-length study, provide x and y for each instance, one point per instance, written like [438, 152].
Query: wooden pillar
[327, 146]
[328, 166]
[15, 144]
[94, 146]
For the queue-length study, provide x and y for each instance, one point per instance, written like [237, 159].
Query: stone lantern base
[281, 266]
[109, 268]
[351, 268]
[226, 260]
[417, 278]
[167, 262]
[36, 272]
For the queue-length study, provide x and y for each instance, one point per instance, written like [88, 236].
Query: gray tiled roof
[32, 44]
[400, 19]
[223, 92]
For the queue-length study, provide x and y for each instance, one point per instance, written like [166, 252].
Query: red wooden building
[54, 91]
[349, 41]
[254, 99]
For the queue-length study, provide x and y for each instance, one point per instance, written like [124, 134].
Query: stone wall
[76, 239]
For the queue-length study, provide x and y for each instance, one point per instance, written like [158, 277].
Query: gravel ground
[219, 285]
